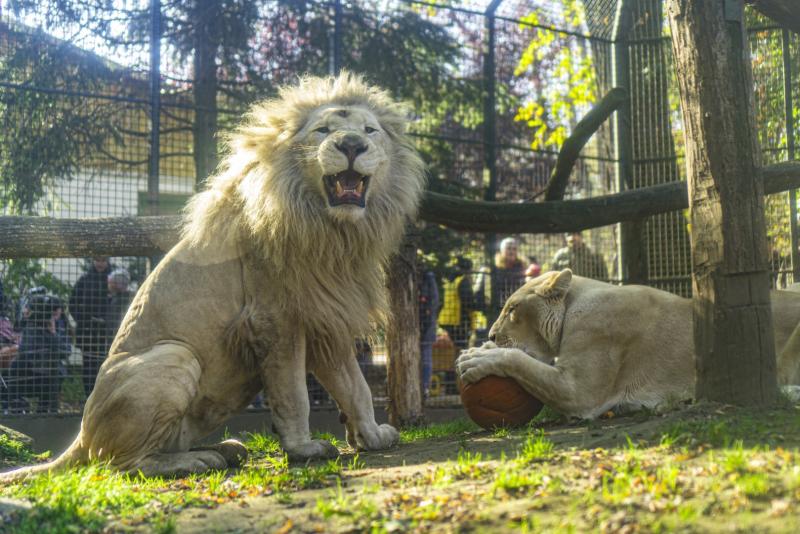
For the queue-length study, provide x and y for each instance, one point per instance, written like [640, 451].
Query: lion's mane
[331, 270]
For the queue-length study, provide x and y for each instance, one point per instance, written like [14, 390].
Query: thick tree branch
[584, 130]
[784, 12]
[44, 237]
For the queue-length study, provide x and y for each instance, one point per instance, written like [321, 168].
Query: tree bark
[44, 237]
[732, 316]
[402, 339]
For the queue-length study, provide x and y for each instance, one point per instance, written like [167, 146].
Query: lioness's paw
[476, 351]
[480, 362]
[375, 437]
[316, 448]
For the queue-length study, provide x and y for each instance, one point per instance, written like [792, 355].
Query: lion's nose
[492, 337]
[351, 146]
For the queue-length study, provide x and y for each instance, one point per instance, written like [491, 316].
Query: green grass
[698, 471]
[458, 427]
[14, 452]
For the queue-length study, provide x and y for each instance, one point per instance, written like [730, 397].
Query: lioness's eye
[323, 130]
[369, 129]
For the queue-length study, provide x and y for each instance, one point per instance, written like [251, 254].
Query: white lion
[584, 347]
[278, 271]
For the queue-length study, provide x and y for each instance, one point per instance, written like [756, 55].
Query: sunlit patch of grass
[87, 498]
[459, 427]
[536, 448]
[753, 484]
[355, 508]
[356, 463]
[260, 445]
[513, 479]
[14, 452]
[501, 432]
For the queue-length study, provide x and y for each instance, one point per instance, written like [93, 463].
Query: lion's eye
[323, 130]
[370, 129]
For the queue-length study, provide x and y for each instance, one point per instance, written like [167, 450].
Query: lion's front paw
[373, 437]
[477, 363]
[315, 448]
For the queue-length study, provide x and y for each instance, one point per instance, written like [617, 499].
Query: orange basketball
[496, 401]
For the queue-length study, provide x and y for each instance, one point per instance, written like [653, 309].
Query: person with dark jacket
[37, 369]
[88, 305]
[119, 300]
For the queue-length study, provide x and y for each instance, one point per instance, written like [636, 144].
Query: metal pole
[155, 107]
[631, 256]
[335, 40]
[490, 141]
[788, 106]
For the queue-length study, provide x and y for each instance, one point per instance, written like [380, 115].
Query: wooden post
[732, 317]
[402, 338]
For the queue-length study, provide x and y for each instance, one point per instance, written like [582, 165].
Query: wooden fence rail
[44, 237]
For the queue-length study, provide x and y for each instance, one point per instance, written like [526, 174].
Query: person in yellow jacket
[458, 304]
[457, 307]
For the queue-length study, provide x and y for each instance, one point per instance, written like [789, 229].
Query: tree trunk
[205, 88]
[402, 339]
[732, 317]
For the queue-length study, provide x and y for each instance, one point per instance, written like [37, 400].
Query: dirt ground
[409, 472]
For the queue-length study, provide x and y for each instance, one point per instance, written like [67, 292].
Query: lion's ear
[556, 286]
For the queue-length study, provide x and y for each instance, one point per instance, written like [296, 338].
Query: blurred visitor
[456, 315]
[40, 365]
[428, 310]
[509, 271]
[580, 258]
[119, 300]
[88, 305]
[534, 269]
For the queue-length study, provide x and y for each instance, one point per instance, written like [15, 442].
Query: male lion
[278, 271]
[583, 347]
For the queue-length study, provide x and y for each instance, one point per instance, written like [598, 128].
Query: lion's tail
[75, 454]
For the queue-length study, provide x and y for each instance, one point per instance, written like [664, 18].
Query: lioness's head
[533, 316]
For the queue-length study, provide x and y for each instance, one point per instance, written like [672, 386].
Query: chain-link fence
[114, 111]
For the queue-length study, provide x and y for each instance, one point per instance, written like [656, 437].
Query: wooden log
[402, 339]
[784, 12]
[584, 130]
[733, 336]
[44, 237]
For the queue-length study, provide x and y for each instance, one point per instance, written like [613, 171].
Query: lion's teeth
[339, 190]
[360, 188]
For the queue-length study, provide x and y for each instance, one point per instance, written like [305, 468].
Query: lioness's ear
[556, 286]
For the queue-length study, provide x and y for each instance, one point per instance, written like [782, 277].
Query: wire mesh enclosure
[118, 111]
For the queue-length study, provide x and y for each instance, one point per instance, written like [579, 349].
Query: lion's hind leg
[137, 415]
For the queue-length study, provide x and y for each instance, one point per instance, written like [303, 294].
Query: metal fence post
[788, 105]
[335, 40]
[632, 257]
[490, 139]
[155, 107]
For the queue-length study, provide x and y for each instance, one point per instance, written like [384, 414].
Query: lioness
[583, 347]
[278, 271]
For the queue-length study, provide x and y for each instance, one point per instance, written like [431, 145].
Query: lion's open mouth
[346, 187]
